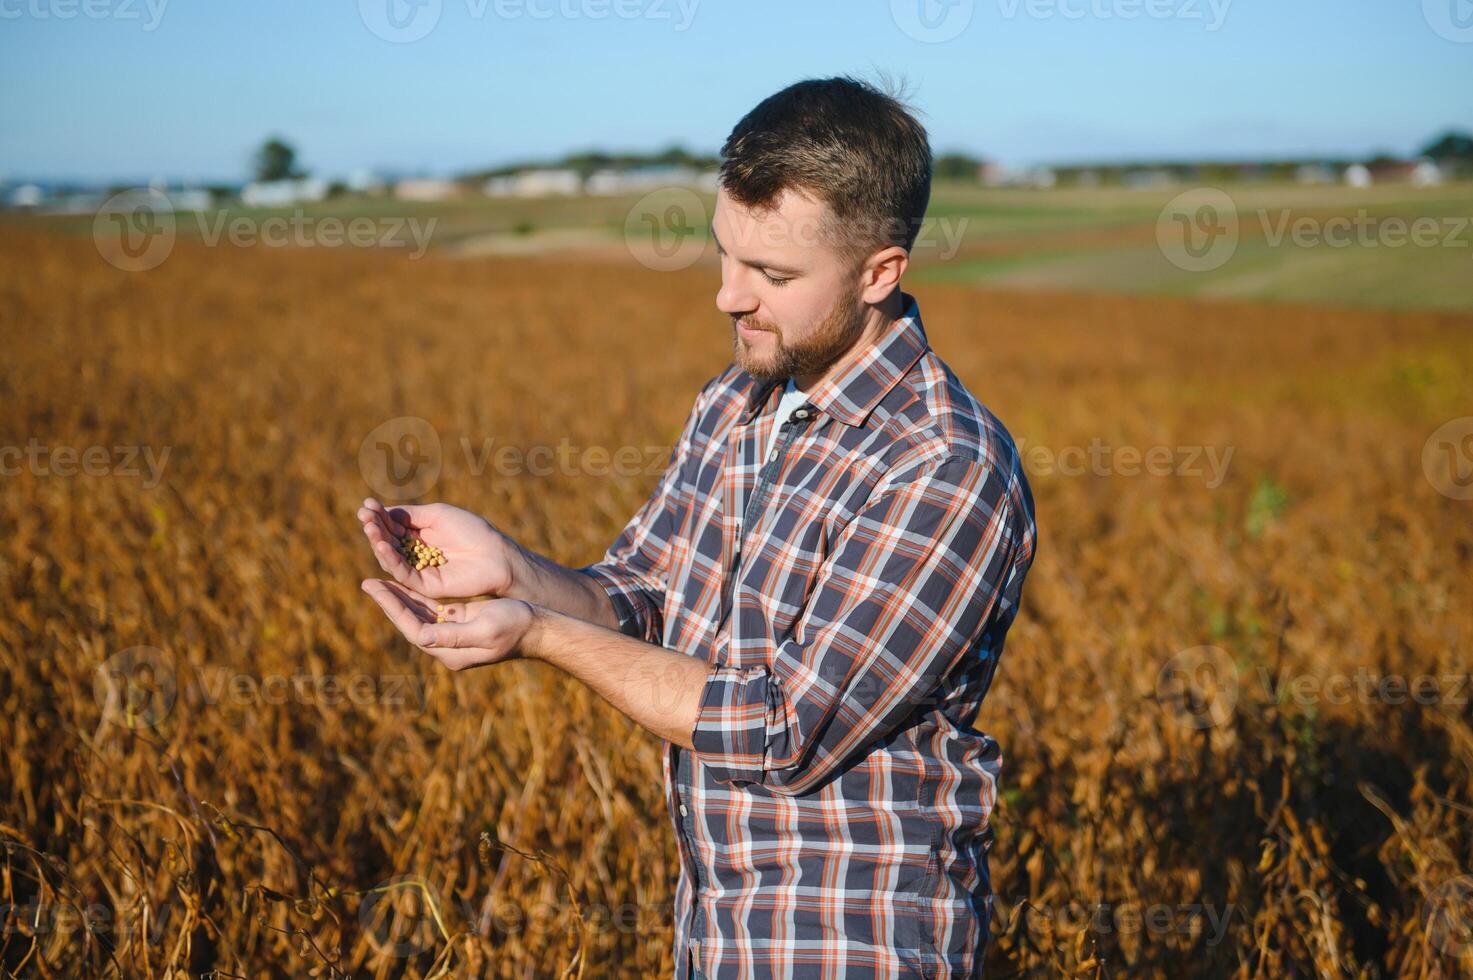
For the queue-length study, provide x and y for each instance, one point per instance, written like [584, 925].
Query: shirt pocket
[781, 570]
[915, 918]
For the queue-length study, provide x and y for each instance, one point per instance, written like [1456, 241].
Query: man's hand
[479, 559]
[471, 634]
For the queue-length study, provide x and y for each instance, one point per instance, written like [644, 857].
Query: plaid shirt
[851, 593]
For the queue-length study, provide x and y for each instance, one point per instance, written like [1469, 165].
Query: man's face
[793, 297]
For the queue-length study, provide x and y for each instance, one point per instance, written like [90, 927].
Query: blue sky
[185, 89]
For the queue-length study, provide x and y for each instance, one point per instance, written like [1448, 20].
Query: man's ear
[881, 273]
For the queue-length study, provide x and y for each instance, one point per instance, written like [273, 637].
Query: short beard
[841, 326]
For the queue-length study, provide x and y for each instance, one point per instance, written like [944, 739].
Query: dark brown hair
[844, 142]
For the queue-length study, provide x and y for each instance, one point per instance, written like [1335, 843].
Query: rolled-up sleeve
[635, 570]
[909, 588]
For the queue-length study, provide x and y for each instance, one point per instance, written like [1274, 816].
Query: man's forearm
[656, 688]
[543, 582]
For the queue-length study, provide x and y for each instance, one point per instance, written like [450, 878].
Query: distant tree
[1451, 146]
[587, 162]
[674, 156]
[957, 166]
[276, 160]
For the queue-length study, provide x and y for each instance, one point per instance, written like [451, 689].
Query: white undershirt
[793, 397]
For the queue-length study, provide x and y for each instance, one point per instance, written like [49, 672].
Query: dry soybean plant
[221, 761]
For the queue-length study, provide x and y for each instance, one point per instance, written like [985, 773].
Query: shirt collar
[852, 395]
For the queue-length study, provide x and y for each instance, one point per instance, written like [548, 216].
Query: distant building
[649, 178]
[191, 199]
[365, 182]
[1427, 174]
[997, 175]
[427, 189]
[1418, 173]
[1311, 174]
[1391, 171]
[534, 183]
[27, 196]
[1358, 175]
[1147, 178]
[282, 193]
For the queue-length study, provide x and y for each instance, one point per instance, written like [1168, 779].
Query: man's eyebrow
[774, 267]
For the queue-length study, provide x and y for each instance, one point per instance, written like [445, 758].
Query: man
[811, 605]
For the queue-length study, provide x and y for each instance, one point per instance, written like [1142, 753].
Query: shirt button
[801, 413]
[683, 811]
[772, 455]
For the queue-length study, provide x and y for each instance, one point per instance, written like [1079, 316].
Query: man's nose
[733, 299]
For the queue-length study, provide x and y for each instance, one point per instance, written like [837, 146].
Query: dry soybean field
[1234, 711]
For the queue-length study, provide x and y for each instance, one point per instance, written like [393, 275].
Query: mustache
[752, 325]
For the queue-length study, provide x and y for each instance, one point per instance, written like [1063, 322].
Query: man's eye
[776, 281]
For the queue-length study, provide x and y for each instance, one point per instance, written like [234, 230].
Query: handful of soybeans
[418, 554]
